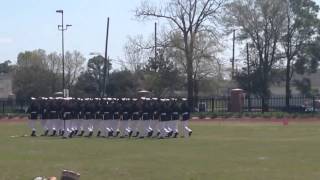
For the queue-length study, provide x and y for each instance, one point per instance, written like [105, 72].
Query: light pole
[62, 28]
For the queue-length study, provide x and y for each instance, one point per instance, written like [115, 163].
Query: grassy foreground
[216, 151]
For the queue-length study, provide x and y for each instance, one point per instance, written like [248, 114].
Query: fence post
[249, 103]
[212, 104]
[228, 104]
[2, 107]
[313, 104]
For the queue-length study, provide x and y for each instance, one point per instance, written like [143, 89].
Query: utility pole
[106, 62]
[63, 28]
[233, 52]
[155, 41]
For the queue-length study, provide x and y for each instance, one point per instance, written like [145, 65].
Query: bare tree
[189, 18]
[73, 66]
[54, 62]
[206, 62]
[136, 53]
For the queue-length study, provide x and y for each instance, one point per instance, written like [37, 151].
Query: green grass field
[222, 151]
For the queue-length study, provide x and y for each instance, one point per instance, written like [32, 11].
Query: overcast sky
[32, 24]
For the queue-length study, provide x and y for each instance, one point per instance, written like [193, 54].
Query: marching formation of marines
[110, 117]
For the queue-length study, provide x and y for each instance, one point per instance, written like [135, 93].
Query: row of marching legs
[112, 128]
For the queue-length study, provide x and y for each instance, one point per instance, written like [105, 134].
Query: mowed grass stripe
[242, 151]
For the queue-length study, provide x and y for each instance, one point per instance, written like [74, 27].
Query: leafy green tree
[39, 74]
[161, 75]
[301, 29]
[86, 86]
[305, 87]
[123, 83]
[32, 76]
[5, 67]
[260, 22]
[90, 82]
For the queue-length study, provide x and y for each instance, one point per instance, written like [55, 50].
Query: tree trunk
[189, 62]
[265, 89]
[288, 89]
[190, 81]
[196, 92]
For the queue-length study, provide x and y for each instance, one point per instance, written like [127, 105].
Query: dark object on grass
[69, 175]
[90, 134]
[81, 134]
[150, 134]
[175, 135]
[99, 133]
[54, 133]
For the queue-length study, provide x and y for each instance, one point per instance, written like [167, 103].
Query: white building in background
[280, 88]
[5, 86]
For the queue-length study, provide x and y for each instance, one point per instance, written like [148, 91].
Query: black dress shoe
[130, 133]
[175, 135]
[117, 134]
[71, 134]
[150, 133]
[45, 133]
[54, 133]
[110, 133]
[137, 134]
[81, 134]
[90, 134]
